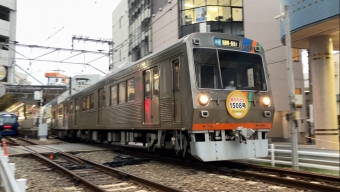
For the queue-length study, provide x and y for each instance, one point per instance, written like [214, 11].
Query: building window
[113, 95]
[221, 15]
[4, 39]
[131, 89]
[4, 13]
[122, 92]
[297, 91]
[120, 22]
[296, 56]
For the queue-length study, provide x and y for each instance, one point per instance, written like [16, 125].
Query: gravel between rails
[185, 179]
[41, 177]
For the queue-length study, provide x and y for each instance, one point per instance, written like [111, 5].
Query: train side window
[84, 104]
[92, 101]
[113, 95]
[60, 112]
[71, 107]
[147, 84]
[87, 103]
[122, 92]
[155, 81]
[101, 98]
[76, 105]
[177, 86]
[131, 89]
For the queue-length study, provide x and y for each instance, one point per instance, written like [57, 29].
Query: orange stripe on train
[230, 126]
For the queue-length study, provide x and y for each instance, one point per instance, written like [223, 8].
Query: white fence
[307, 158]
[7, 171]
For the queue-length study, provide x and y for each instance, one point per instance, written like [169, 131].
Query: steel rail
[27, 141]
[133, 178]
[69, 173]
[242, 172]
[284, 172]
[115, 172]
[305, 185]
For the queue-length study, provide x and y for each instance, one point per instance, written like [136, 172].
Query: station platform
[50, 148]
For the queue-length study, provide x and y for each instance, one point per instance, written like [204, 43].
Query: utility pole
[293, 115]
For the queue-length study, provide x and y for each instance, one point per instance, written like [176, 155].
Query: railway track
[277, 176]
[91, 176]
[19, 141]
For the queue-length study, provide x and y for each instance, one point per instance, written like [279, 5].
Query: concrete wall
[308, 12]
[9, 3]
[21, 78]
[120, 33]
[337, 80]
[8, 29]
[260, 25]
[165, 26]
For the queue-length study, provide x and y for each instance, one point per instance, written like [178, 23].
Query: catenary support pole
[291, 91]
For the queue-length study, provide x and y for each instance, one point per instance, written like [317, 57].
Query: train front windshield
[228, 70]
[7, 119]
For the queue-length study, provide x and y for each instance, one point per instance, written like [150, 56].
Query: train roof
[126, 65]
[8, 113]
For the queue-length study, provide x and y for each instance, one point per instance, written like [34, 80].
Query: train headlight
[203, 99]
[266, 101]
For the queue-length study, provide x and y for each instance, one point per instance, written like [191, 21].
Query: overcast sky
[37, 20]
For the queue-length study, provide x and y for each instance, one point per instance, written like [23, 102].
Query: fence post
[272, 154]
[22, 184]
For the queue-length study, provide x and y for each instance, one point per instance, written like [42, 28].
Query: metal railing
[7, 171]
[307, 158]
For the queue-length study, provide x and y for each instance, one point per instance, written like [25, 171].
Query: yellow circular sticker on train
[237, 104]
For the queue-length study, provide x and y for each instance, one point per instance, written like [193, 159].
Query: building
[21, 79]
[120, 34]
[7, 35]
[315, 26]
[173, 19]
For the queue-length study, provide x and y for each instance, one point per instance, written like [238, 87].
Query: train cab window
[156, 82]
[242, 71]
[91, 101]
[131, 89]
[229, 70]
[113, 95]
[206, 66]
[122, 92]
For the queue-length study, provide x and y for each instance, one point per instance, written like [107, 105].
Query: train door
[176, 87]
[151, 96]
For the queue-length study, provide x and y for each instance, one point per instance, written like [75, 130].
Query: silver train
[207, 96]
